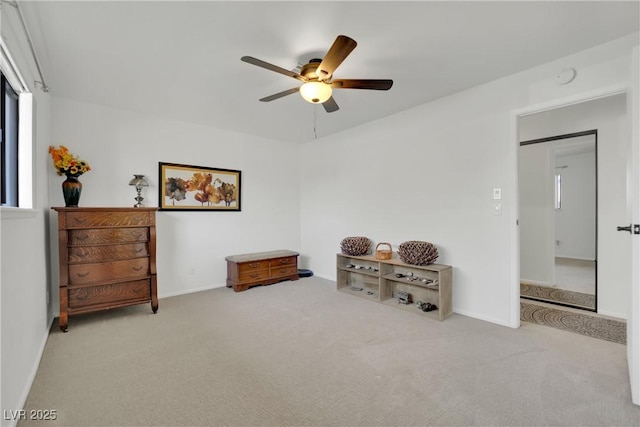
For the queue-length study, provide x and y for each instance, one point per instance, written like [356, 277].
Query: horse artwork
[192, 188]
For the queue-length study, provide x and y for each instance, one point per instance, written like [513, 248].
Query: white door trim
[513, 171]
[633, 322]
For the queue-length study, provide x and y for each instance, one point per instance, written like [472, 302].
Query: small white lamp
[139, 182]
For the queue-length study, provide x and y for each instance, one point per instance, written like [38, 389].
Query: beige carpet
[303, 354]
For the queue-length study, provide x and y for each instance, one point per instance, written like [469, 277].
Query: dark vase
[71, 189]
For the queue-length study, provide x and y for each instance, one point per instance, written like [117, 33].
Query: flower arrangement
[66, 163]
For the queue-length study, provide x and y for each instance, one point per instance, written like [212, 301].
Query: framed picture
[198, 188]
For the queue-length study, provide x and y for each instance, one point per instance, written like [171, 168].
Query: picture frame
[198, 188]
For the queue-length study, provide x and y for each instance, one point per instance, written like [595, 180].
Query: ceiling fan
[317, 76]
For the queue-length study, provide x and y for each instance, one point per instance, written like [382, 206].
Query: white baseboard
[618, 316]
[579, 258]
[190, 291]
[513, 325]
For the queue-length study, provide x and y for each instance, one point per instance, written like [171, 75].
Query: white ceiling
[181, 60]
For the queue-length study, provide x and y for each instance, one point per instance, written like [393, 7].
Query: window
[9, 143]
[16, 138]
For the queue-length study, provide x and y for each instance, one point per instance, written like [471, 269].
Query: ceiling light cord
[42, 82]
[315, 121]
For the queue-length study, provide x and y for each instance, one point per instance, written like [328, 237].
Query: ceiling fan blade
[374, 84]
[263, 64]
[280, 94]
[339, 50]
[330, 105]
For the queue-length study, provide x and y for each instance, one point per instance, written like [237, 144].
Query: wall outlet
[497, 208]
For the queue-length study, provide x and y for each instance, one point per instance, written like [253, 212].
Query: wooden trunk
[261, 268]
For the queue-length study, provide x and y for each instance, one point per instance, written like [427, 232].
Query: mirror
[558, 222]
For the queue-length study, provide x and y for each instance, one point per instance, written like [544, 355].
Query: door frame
[633, 321]
[513, 171]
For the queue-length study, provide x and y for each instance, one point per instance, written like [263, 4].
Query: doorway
[608, 114]
[558, 219]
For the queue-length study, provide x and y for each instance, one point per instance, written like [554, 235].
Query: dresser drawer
[83, 274]
[253, 266]
[79, 254]
[252, 276]
[108, 219]
[108, 236]
[283, 271]
[115, 294]
[278, 262]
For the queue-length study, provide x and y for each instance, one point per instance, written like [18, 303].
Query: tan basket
[383, 253]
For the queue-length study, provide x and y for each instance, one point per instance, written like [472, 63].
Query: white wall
[428, 174]
[191, 246]
[607, 115]
[24, 259]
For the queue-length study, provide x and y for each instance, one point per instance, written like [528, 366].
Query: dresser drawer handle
[82, 274]
[80, 221]
[138, 268]
[284, 261]
[254, 265]
[254, 276]
[284, 270]
[139, 250]
[82, 236]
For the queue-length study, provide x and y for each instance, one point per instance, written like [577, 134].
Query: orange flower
[66, 163]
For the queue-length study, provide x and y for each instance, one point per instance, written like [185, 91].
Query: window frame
[25, 192]
[9, 125]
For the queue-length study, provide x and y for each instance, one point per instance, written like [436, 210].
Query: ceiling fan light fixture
[315, 92]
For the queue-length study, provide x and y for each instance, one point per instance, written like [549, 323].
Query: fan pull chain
[315, 121]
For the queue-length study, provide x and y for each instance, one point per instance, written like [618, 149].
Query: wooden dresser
[261, 268]
[107, 259]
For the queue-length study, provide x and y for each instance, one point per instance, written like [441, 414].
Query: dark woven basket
[416, 252]
[355, 246]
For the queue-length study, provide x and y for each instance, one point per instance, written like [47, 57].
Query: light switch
[497, 194]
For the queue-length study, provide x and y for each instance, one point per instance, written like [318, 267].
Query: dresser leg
[63, 320]
[154, 294]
